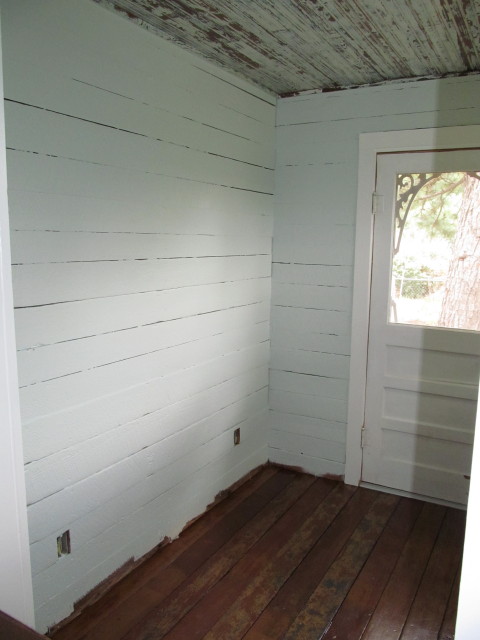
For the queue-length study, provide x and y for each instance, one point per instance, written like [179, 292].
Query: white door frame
[16, 581]
[370, 145]
[468, 614]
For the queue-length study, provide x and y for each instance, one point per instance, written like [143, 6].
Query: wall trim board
[371, 144]
[382, 83]
[16, 596]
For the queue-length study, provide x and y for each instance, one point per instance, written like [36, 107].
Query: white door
[422, 374]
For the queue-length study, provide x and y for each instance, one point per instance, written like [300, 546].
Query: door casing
[370, 144]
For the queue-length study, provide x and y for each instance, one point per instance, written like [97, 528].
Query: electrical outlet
[236, 436]
[63, 544]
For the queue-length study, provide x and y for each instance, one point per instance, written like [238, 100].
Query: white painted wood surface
[422, 382]
[468, 614]
[140, 185]
[371, 144]
[16, 597]
[312, 291]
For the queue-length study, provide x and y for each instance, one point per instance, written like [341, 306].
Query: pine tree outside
[436, 262]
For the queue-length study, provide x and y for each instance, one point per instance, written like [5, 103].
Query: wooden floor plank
[293, 596]
[11, 629]
[184, 597]
[447, 631]
[255, 580]
[291, 557]
[394, 606]
[358, 607]
[333, 588]
[427, 612]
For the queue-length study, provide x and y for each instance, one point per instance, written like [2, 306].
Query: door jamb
[370, 145]
[16, 595]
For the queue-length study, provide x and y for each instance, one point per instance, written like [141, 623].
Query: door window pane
[436, 250]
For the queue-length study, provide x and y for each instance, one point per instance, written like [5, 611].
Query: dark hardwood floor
[288, 556]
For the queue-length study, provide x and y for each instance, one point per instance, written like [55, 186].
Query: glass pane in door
[435, 277]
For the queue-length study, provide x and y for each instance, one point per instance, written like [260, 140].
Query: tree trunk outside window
[461, 300]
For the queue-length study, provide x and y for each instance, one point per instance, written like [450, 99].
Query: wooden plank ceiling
[287, 46]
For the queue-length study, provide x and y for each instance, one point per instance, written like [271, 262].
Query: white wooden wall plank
[29, 247]
[312, 296]
[320, 320]
[312, 274]
[310, 362]
[87, 179]
[308, 384]
[76, 140]
[148, 402]
[394, 99]
[72, 321]
[316, 194]
[293, 157]
[311, 340]
[298, 146]
[307, 445]
[334, 245]
[310, 405]
[80, 281]
[80, 354]
[323, 429]
[244, 136]
[233, 117]
[158, 443]
[313, 205]
[55, 395]
[196, 209]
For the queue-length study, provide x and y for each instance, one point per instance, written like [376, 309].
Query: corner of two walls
[141, 209]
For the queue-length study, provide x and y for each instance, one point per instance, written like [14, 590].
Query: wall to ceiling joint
[288, 46]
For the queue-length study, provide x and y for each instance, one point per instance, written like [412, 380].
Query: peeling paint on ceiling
[287, 46]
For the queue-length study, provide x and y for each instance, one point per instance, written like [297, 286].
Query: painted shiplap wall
[315, 191]
[140, 194]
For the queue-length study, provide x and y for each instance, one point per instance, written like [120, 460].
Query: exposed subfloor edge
[131, 564]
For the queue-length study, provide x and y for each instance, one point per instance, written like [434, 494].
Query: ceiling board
[287, 46]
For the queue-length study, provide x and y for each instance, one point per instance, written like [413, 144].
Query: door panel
[422, 381]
